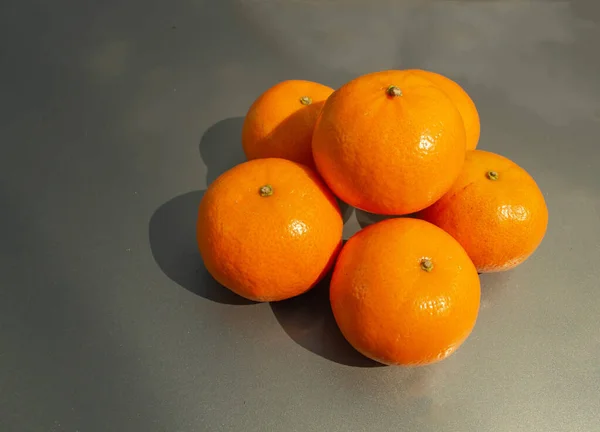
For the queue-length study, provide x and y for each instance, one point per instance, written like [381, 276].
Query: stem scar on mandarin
[266, 190]
[426, 264]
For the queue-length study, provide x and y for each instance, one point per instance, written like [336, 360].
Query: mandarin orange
[495, 210]
[389, 142]
[268, 229]
[404, 292]
[462, 101]
[280, 123]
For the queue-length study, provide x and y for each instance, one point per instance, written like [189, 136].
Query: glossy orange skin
[462, 101]
[389, 154]
[393, 311]
[279, 125]
[268, 248]
[499, 223]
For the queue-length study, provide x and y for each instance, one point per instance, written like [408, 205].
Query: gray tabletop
[115, 116]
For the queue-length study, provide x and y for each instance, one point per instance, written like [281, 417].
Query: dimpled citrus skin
[280, 123]
[273, 247]
[392, 310]
[501, 222]
[462, 101]
[389, 154]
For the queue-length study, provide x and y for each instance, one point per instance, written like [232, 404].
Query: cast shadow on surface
[346, 209]
[365, 219]
[309, 321]
[221, 147]
[172, 235]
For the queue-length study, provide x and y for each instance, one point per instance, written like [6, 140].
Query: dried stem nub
[305, 100]
[266, 190]
[492, 175]
[426, 265]
[393, 91]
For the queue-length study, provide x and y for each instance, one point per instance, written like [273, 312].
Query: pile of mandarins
[405, 290]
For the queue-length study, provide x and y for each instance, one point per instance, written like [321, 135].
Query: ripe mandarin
[268, 229]
[280, 123]
[389, 142]
[462, 101]
[495, 210]
[404, 292]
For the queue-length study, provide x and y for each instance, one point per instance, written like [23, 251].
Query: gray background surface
[114, 117]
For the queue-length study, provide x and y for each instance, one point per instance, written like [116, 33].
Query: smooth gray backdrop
[114, 118]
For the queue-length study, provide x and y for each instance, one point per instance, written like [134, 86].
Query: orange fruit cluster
[406, 290]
